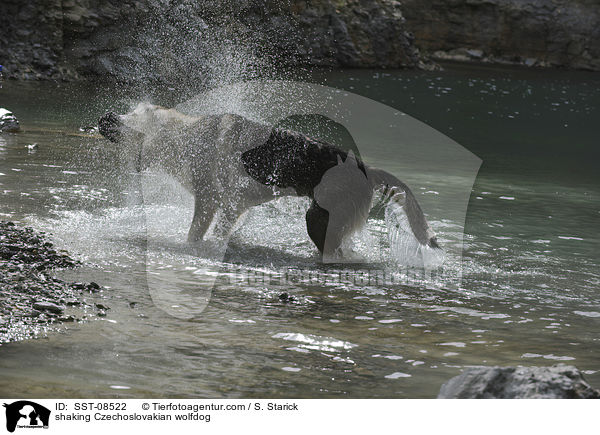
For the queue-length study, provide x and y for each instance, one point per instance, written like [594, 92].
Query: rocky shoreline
[32, 301]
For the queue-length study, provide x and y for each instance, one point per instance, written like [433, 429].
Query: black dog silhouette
[13, 414]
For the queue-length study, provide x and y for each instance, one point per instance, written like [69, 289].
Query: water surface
[531, 268]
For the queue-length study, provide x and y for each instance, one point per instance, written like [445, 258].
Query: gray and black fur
[339, 184]
[292, 160]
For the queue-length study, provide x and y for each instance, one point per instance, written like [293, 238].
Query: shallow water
[531, 268]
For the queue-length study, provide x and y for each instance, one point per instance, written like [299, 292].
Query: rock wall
[558, 33]
[166, 39]
[30, 37]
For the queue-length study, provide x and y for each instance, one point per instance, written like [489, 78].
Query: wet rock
[556, 382]
[530, 61]
[8, 122]
[67, 319]
[475, 54]
[48, 306]
[90, 129]
[284, 297]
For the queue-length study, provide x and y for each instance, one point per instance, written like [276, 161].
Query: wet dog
[230, 163]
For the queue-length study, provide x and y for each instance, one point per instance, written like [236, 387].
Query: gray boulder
[556, 382]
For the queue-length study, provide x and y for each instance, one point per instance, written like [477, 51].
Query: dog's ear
[339, 159]
[358, 163]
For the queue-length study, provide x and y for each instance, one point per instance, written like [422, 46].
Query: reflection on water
[531, 270]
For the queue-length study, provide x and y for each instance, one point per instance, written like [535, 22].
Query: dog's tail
[400, 202]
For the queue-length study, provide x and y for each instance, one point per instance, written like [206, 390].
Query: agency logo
[26, 414]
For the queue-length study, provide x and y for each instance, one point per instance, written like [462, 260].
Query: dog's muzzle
[111, 127]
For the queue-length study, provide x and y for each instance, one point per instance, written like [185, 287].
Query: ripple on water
[548, 356]
[587, 313]
[398, 375]
[392, 357]
[454, 344]
[298, 349]
[316, 342]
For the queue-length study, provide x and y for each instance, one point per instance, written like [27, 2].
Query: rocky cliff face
[166, 39]
[170, 40]
[563, 33]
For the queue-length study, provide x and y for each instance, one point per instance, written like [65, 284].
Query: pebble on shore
[31, 299]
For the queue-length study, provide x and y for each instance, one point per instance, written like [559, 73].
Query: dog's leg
[338, 228]
[317, 219]
[225, 221]
[204, 212]
[328, 231]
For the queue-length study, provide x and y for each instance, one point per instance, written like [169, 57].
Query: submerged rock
[284, 297]
[556, 382]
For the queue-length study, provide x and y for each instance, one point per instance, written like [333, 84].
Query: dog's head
[143, 120]
[142, 132]
[130, 130]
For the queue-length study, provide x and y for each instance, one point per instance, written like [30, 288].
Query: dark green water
[531, 267]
